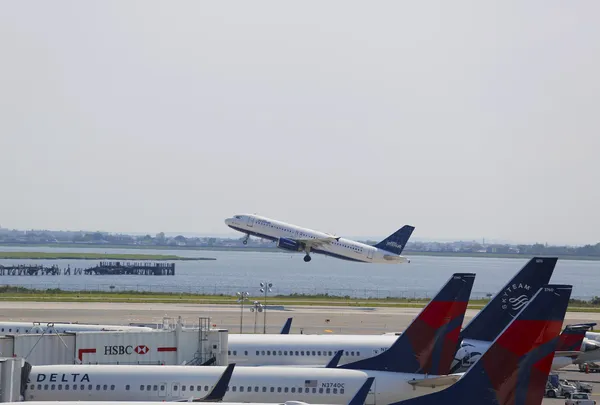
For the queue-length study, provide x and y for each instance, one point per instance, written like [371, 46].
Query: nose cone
[228, 221]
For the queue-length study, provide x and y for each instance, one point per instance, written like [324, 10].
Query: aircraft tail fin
[428, 345]
[515, 369]
[286, 327]
[396, 242]
[497, 314]
[361, 395]
[572, 336]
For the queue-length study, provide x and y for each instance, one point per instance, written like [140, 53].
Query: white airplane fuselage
[341, 248]
[318, 350]
[248, 384]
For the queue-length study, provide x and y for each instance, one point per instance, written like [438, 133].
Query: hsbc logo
[121, 350]
[141, 349]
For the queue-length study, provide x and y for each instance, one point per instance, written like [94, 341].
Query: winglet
[500, 311]
[515, 369]
[361, 395]
[333, 363]
[286, 327]
[220, 388]
[428, 345]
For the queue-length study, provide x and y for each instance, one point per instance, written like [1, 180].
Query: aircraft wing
[317, 242]
[433, 382]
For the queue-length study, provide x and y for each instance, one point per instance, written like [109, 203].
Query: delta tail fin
[515, 368]
[396, 242]
[428, 345]
[286, 327]
[571, 338]
[498, 313]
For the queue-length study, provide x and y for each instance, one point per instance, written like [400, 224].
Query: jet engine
[289, 244]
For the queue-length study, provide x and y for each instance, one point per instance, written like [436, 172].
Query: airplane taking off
[297, 239]
[424, 351]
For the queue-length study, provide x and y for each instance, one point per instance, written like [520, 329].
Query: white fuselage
[317, 350]
[248, 384]
[24, 328]
[343, 248]
[150, 403]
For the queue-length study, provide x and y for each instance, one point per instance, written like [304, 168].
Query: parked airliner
[24, 328]
[515, 369]
[317, 350]
[297, 239]
[424, 351]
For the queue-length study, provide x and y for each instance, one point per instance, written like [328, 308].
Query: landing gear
[307, 258]
[245, 241]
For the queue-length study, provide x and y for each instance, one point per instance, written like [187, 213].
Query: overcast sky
[466, 119]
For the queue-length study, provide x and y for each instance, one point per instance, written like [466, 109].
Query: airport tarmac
[572, 373]
[309, 319]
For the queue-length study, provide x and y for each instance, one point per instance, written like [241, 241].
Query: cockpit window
[237, 217]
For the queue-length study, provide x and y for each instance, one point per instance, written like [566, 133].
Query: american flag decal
[310, 383]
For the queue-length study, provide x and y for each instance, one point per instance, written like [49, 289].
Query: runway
[309, 319]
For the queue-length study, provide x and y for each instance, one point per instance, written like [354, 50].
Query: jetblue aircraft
[425, 350]
[297, 239]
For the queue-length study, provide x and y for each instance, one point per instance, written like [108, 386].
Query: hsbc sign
[121, 350]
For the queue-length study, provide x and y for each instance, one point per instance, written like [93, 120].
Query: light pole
[242, 296]
[258, 307]
[265, 288]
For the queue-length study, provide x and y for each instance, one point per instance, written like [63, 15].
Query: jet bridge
[13, 377]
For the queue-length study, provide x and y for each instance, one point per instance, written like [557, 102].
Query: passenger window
[235, 352]
[255, 389]
[330, 353]
[154, 387]
[314, 390]
[302, 353]
[66, 387]
[60, 387]
[183, 388]
[257, 352]
[328, 391]
[32, 387]
[39, 386]
[206, 388]
[278, 389]
[229, 352]
[285, 352]
[352, 353]
[293, 390]
[314, 353]
[52, 387]
[263, 352]
[105, 387]
[74, 387]
[296, 352]
[149, 387]
[268, 352]
[175, 387]
[358, 353]
[319, 353]
[141, 388]
[233, 388]
[241, 389]
[89, 387]
[341, 390]
[264, 389]
[272, 389]
[45, 386]
[191, 388]
[320, 390]
[346, 353]
[245, 352]
[335, 390]
[249, 389]
[285, 389]
[127, 387]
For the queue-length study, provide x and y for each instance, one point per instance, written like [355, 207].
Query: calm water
[243, 271]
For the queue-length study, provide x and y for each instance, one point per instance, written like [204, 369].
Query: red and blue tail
[514, 370]
[498, 313]
[428, 345]
[572, 336]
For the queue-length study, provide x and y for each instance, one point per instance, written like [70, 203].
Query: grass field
[93, 256]
[12, 293]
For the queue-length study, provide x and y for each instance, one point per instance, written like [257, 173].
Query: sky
[465, 119]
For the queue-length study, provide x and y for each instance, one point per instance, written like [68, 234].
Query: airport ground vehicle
[589, 367]
[580, 398]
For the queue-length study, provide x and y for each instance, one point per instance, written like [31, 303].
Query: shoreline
[95, 256]
[255, 250]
